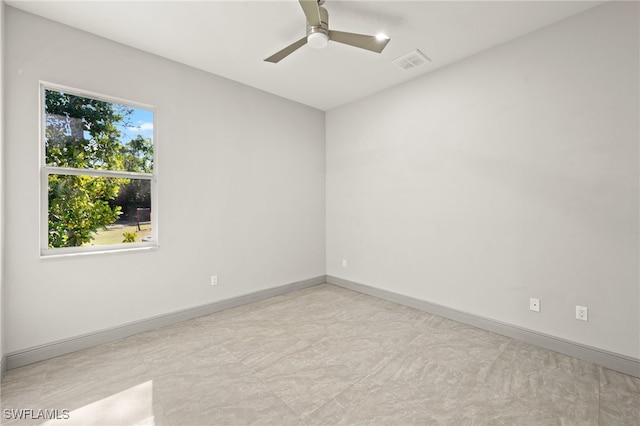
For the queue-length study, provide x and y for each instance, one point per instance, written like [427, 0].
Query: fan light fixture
[318, 40]
[319, 34]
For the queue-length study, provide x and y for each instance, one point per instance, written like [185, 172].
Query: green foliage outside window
[129, 237]
[83, 133]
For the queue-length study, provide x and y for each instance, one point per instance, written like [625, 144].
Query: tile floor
[320, 356]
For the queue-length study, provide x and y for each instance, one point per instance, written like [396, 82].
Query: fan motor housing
[324, 23]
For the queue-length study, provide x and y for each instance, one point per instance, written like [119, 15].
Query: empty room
[310, 212]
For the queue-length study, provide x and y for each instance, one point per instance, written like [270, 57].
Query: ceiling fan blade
[367, 42]
[287, 51]
[311, 11]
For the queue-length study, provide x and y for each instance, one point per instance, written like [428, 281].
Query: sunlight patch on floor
[133, 406]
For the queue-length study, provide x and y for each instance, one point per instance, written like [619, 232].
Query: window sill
[92, 251]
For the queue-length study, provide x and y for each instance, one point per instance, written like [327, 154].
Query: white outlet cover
[534, 304]
[582, 313]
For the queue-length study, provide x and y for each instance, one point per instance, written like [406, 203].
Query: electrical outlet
[534, 304]
[214, 280]
[582, 313]
[344, 263]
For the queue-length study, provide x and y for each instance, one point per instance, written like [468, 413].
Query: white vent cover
[411, 60]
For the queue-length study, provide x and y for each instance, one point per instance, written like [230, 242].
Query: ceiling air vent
[411, 60]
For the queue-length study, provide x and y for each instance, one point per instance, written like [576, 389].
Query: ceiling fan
[319, 34]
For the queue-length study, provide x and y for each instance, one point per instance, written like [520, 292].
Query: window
[98, 188]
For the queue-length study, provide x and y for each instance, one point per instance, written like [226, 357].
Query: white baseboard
[65, 346]
[613, 361]
[621, 363]
[3, 367]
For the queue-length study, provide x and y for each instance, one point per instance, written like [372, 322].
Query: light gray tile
[251, 330]
[22, 387]
[391, 338]
[33, 374]
[367, 309]
[363, 355]
[317, 331]
[180, 334]
[323, 355]
[308, 379]
[112, 406]
[255, 341]
[469, 402]
[309, 306]
[452, 395]
[228, 394]
[85, 402]
[564, 388]
[520, 352]
[366, 403]
[261, 355]
[427, 374]
[167, 361]
[473, 333]
[76, 375]
[619, 398]
[250, 310]
[323, 291]
[429, 337]
[171, 348]
[460, 356]
[298, 313]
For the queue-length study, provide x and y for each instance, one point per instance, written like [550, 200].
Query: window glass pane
[85, 133]
[86, 210]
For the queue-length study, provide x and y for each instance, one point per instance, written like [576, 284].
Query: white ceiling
[231, 38]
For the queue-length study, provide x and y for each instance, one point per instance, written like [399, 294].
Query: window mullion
[50, 170]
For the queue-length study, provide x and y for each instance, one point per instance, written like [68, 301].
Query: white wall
[2, 26]
[241, 189]
[508, 175]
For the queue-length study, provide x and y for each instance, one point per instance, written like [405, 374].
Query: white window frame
[46, 170]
